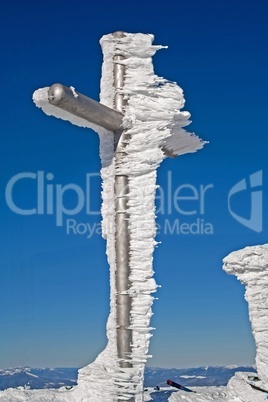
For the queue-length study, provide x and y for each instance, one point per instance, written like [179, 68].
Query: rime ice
[250, 265]
[153, 121]
[152, 116]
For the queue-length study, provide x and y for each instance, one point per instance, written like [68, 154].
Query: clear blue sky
[54, 286]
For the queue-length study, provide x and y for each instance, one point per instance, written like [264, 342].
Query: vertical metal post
[122, 238]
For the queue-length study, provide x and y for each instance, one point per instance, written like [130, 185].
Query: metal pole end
[119, 34]
[56, 94]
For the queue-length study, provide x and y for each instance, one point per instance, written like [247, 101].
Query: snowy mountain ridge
[37, 378]
[207, 376]
[213, 383]
[44, 378]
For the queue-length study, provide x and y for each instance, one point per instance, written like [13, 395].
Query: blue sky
[54, 285]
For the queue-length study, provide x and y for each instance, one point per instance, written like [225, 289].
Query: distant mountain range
[37, 378]
[55, 378]
[195, 377]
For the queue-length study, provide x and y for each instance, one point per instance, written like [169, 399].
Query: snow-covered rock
[250, 265]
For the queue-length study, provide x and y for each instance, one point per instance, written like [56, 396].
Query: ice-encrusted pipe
[250, 266]
[153, 120]
[122, 235]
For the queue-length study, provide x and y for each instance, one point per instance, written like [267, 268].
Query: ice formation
[250, 265]
[153, 119]
[152, 116]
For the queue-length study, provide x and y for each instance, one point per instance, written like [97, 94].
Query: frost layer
[153, 120]
[250, 265]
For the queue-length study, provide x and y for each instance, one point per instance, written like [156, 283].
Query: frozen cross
[111, 119]
[164, 129]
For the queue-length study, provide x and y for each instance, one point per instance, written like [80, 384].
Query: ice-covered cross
[140, 122]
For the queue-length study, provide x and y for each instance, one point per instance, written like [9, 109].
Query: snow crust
[237, 390]
[250, 266]
[152, 120]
